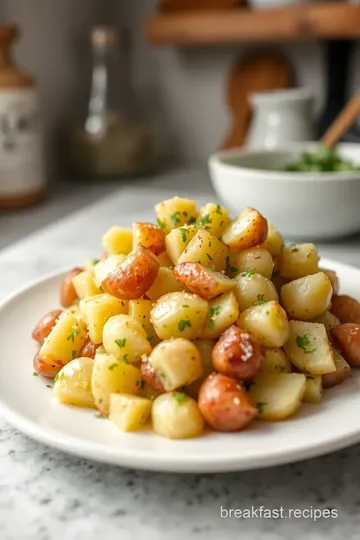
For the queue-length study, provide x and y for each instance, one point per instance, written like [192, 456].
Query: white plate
[27, 403]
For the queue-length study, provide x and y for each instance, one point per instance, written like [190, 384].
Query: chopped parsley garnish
[184, 232]
[303, 342]
[73, 335]
[120, 342]
[185, 214]
[218, 209]
[214, 311]
[175, 218]
[73, 355]
[192, 220]
[99, 415]
[230, 268]
[95, 261]
[125, 359]
[221, 240]
[48, 386]
[204, 220]
[101, 288]
[209, 257]
[282, 247]
[250, 272]
[150, 338]
[183, 324]
[161, 223]
[186, 305]
[258, 257]
[276, 273]
[310, 377]
[35, 374]
[260, 300]
[282, 368]
[141, 384]
[294, 250]
[180, 397]
[260, 405]
[56, 376]
[113, 366]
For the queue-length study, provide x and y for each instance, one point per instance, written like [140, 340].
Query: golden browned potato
[237, 354]
[202, 281]
[67, 291]
[276, 360]
[213, 218]
[179, 314]
[223, 312]
[254, 259]
[343, 370]
[47, 367]
[253, 289]
[346, 338]
[149, 236]
[176, 416]
[224, 404]
[299, 260]
[268, 322]
[206, 249]
[346, 309]
[73, 383]
[165, 282]
[274, 242]
[118, 240]
[45, 325]
[177, 240]
[307, 297]
[175, 212]
[132, 278]
[333, 279]
[309, 349]
[150, 377]
[247, 230]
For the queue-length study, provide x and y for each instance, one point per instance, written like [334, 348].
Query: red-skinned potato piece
[249, 229]
[133, 277]
[46, 367]
[149, 236]
[237, 354]
[201, 280]
[150, 377]
[224, 404]
[45, 325]
[88, 349]
[346, 339]
[67, 290]
[346, 309]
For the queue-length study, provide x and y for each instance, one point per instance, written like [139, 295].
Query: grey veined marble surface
[47, 495]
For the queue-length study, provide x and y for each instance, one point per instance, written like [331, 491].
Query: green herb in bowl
[324, 159]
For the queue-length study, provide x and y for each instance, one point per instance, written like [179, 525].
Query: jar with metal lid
[112, 141]
[22, 178]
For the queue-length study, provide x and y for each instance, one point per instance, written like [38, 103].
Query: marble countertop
[47, 495]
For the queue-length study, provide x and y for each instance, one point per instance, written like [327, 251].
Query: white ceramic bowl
[301, 205]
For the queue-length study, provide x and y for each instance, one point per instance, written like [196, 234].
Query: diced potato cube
[205, 347]
[176, 416]
[105, 266]
[112, 376]
[254, 259]
[309, 348]
[140, 311]
[275, 360]
[175, 212]
[84, 284]
[328, 320]
[72, 385]
[176, 362]
[268, 322]
[65, 339]
[206, 249]
[203, 281]
[274, 242]
[118, 240]
[278, 395]
[99, 309]
[149, 236]
[334, 280]
[165, 282]
[213, 218]
[128, 412]
[164, 259]
[177, 240]
[299, 260]
[249, 229]
[223, 312]
[307, 297]
[343, 371]
[254, 289]
[313, 390]
[125, 339]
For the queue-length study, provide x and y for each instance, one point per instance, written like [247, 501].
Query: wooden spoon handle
[342, 122]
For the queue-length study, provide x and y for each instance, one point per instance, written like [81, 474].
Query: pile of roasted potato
[198, 321]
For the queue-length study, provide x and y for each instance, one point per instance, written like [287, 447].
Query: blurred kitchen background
[192, 65]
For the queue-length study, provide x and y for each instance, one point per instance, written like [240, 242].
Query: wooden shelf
[335, 20]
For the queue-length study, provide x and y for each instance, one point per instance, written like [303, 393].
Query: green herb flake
[303, 342]
[99, 416]
[209, 257]
[120, 343]
[204, 220]
[294, 249]
[73, 335]
[258, 257]
[113, 366]
[141, 384]
[183, 324]
[180, 397]
[35, 374]
[192, 220]
[218, 209]
[310, 378]
[56, 377]
[186, 305]
[175, 218]
[150, 338]
[260, 405]
[184, 233]
[73, 355]
[260, 300]
[250, 272]
[214, 312]
[185, 214]
[48, 386]
[95, 261]
[230, 268]
[161, 223]
[101, 288]
[125, 359]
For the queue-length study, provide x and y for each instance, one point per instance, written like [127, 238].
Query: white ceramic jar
[280, 117]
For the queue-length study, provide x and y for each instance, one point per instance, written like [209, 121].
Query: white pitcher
[280, 117]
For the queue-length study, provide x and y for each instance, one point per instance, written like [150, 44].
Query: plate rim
[141, 460]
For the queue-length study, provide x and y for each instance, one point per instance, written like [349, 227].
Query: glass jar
[110, 142]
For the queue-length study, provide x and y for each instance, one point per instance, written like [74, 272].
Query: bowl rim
[216, 160]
